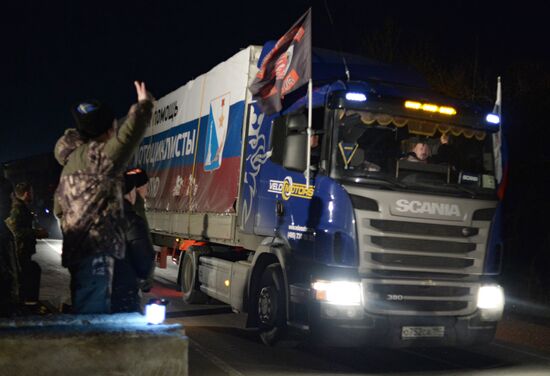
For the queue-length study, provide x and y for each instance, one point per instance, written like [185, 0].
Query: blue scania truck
[393, 241]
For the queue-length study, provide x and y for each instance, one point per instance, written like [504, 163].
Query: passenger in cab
[445, 151]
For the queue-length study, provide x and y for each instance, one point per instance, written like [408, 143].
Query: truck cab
[387, 245]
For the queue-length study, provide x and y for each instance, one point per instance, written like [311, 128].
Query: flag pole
[309, 131]
[309, 112]
[497, 137]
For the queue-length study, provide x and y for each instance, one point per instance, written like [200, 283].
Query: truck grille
[419, 247]
[416, 266]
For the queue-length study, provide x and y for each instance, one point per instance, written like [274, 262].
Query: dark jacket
[9, 266]
[136, 265]
[88, 200]
[140, 252]
[20, 222]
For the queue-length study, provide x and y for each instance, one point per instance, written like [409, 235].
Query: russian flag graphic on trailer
[216, 133]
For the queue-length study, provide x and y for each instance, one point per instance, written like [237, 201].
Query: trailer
[381, 246]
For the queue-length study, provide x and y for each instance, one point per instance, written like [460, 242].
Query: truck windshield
[407, 154]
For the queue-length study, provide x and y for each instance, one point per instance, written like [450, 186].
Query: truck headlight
[490, 302]
[338, 292]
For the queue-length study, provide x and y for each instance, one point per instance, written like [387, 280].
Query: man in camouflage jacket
[20, 222]
[88, 200]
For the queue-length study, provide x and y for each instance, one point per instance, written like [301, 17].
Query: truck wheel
[271, 305]
[189, 280]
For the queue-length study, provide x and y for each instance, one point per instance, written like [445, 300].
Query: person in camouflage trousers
[9, 267]
[88, 199]
[21, 224]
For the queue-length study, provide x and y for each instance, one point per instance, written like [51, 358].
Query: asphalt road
[220, 346]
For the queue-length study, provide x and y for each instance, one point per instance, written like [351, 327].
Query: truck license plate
[422, 331]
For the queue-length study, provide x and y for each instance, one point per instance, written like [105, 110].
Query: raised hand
[142, 92]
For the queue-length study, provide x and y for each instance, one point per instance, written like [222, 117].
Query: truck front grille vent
[421, 261]
[417, 274]
[419, 290]
[417, 305]
[429, 229]
[422, 245]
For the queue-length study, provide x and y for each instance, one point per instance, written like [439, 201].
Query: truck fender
[271, 250]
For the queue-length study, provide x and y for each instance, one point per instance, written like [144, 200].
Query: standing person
[20, 222]
[139, 254]
[141, 181]
[89, 196]
[9, 267]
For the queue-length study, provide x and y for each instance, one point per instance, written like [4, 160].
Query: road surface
[220, 346]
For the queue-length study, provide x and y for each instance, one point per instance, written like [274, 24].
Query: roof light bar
[413, 105]
[430, 107]
[447, 110]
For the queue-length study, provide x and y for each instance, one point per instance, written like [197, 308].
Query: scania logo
[425, 207]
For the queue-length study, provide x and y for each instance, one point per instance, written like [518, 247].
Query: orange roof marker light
[413, 105]
[430, 107]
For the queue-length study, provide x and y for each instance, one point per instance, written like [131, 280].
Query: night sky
[57, 53]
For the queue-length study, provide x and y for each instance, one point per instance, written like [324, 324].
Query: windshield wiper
[472, 192]
[372, 178]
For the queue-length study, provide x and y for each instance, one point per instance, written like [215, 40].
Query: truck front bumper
[352, 326]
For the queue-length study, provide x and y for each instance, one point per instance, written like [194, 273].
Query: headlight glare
[490, 301]
[338, 292]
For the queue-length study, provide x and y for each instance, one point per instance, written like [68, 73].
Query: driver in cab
[419, 153]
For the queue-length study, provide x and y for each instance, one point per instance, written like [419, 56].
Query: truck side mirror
[296, 123]
[295, 153]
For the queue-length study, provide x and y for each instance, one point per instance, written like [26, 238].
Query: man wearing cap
[88, 199]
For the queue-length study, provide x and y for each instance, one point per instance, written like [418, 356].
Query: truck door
[258, 203]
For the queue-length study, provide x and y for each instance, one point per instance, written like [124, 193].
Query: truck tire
[189, 279]
[270, 305]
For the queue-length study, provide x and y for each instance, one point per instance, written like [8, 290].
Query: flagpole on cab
[309, 108]
[309, 130]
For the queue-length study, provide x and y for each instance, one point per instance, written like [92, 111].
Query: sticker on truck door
[216, 133]
[287, 188]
